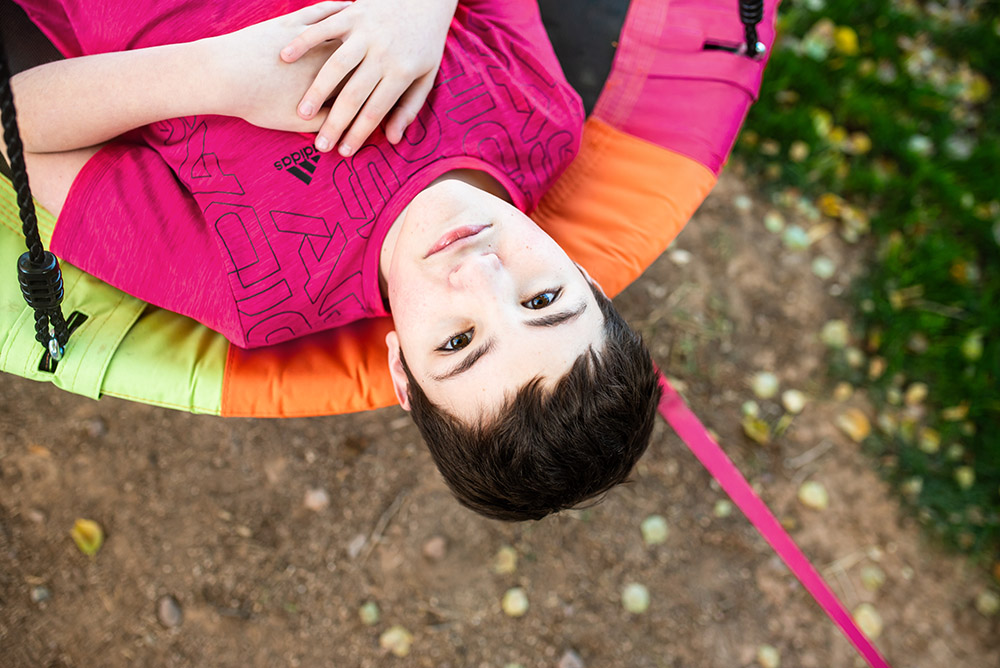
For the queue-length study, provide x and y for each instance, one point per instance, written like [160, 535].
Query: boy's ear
[400, 383]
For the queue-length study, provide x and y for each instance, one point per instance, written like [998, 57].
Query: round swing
[638, 179]
[641, 172]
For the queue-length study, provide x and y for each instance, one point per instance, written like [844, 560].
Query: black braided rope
[26, 206]
[751, 13]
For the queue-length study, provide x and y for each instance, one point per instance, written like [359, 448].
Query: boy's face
[483, 301]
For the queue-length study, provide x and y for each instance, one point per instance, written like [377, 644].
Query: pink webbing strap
[708, 452]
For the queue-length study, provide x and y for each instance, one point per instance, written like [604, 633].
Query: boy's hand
[389, 54]
[244, 77]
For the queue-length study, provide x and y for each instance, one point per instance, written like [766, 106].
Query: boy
[531, 392]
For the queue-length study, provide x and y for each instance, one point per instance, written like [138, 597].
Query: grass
[886, 114]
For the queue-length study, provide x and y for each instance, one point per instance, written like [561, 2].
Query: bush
[893, 105]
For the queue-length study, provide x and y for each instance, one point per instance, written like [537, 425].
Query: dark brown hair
[550, 450]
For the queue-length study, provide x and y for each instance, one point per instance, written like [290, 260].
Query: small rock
[40, 594]
[774, 222]
[813, 495]
[654, 530]
[988, 603]
[795, 238]
[35, 515]
[823, 267]
[505, 561]
[435, 548]
[397, 640]
[515, 602]
[635, 598]
[793, 401]
[570, 659]
[356, 545]
[742, 202]
[768, 656]
[722, 508]
[95, 427]
[872, 578]
[750, 408]
[854, 357]
[168, 612]
[679, 256]
[868, 620]
[317, 500]
[369, 613]
[764, 385]
[835, 334]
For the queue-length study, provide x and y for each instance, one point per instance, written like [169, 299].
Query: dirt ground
[212, 512]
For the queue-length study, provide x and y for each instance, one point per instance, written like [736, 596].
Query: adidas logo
[301, 164]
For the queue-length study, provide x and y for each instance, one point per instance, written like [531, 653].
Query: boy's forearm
[82, 102]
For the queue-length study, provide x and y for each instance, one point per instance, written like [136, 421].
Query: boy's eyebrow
[469, 360]
[558, 318]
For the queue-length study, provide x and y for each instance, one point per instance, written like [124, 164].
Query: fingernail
[322, 143]
[306, 109]
[345, 150]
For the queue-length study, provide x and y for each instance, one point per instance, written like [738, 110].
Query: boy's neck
[472, 177]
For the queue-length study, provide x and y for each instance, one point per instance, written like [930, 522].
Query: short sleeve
[129, 222]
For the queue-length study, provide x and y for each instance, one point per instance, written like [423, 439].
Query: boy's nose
[476, 272]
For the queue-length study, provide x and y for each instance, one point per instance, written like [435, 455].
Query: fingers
[375, 109]
[325, 27]
[330, 76]
[321, 10]
[408, 107]
[346, 106]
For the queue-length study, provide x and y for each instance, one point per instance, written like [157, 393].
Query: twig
[847, 561]
[383, 521]
[808, 456]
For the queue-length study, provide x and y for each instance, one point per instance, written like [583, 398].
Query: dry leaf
[88, 536]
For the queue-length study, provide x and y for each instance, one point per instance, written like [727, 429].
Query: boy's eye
[542, 299]
[457, 342]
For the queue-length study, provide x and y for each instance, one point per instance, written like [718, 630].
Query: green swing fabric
[120, 351]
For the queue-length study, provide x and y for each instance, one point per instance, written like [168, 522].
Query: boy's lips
[453, 235]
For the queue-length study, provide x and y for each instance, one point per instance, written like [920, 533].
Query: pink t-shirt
[252, 232]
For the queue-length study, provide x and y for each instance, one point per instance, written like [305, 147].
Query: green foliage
[894, 105]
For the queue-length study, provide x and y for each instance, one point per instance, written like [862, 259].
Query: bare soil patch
[213, 512]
